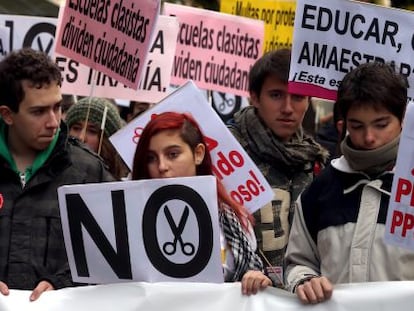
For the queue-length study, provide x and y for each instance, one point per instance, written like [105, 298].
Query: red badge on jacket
[317, 167]
[1, 201]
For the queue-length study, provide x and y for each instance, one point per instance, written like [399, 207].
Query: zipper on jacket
[23, 179]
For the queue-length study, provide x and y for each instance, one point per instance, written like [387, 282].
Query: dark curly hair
[274, 63]
[374, 84]
[25, 64]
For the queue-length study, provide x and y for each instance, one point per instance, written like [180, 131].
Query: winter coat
[32, 248]
[338, 230]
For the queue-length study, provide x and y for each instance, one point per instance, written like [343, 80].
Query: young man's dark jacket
[32, 248]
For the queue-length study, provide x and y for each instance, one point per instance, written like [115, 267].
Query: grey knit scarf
[299, 150]
[371, 162]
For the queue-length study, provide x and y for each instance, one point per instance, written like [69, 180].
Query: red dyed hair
[191, 134]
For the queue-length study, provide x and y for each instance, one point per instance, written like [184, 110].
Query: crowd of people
[324, 225]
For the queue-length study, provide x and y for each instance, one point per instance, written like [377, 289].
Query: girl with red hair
[172, 145]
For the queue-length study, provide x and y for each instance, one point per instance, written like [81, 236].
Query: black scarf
[245, 257]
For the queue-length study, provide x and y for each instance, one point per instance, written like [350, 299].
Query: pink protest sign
[215, 50]
[110, 36]
[156, 76]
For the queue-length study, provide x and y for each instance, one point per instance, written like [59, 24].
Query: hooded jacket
[32, 247]
[338, 230]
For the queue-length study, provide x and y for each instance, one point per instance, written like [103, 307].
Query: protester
[338, 228]
[84, 120]
[36, 157]
[136, 108]
[67, 102]
[331, 134]
[172, 145]
[309, 125]
[270, 131]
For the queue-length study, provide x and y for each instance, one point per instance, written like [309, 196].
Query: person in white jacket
[338, 227]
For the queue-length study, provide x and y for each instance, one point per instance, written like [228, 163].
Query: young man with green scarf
[36, 157]
[338, 227]
[270, 130]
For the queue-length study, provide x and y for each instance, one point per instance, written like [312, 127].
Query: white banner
[331, 37]
[400, 218]
[385, 296]
[231, 164]
[147, 230]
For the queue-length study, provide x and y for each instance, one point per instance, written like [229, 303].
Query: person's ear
[6, 114]
[340, 127]
[199, 153]
[254, 99]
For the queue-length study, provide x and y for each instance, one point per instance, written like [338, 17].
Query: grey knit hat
[78, 111]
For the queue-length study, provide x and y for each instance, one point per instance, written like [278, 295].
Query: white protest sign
[400, 217]
[29, 31]
[231, 164]
[331, 37]
[148, 230]
[110, 36]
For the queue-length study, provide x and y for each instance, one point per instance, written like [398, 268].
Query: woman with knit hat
[85, 120]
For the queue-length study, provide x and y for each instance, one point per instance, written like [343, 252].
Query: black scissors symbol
[226, 102]
[170, 248]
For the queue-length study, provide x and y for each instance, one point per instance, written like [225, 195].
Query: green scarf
[41, 157]
[372, 162]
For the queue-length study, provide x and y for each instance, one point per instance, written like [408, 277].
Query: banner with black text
[331, 37]
[145, 230]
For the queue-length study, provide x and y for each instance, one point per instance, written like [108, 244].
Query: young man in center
[271, 132]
